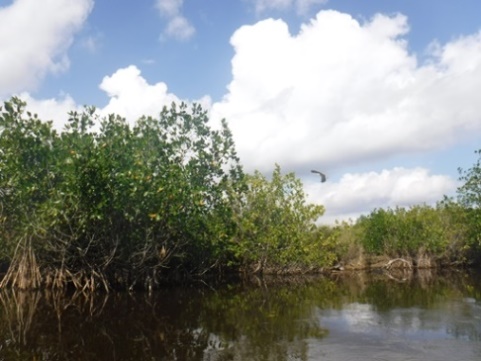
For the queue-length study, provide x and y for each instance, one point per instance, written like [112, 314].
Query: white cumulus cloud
[34, 39]
[342, 92]
[53, 109]
[131, 96]
[129, 93]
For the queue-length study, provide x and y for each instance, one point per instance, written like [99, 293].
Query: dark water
[408, 317]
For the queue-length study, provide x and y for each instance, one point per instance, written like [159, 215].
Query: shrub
[122, 204]
[277, 227]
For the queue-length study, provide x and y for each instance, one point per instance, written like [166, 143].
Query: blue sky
[382, 95]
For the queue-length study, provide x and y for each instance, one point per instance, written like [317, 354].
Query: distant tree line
[121, 206]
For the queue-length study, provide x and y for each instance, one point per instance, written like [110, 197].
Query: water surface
[358, 316]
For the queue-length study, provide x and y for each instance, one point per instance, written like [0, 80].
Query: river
[348, 316]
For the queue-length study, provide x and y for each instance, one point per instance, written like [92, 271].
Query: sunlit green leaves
[469, 195]
[437, 231]
[109, 196]
[277, 226]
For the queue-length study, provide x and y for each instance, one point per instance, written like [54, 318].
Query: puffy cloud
[34, 38]
[53, 109]
[131, 96]
[357, 193]
[178, 27]
[341, 92]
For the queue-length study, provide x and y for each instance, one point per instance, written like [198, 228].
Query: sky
[380, 95]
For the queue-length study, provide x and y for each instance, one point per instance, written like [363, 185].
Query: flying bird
[323, 176]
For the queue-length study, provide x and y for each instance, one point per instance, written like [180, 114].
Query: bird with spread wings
[323, 176]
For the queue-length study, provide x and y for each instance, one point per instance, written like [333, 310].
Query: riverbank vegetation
[104, 204]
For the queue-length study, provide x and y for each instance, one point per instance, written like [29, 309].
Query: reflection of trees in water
[36, 323]
[424, 289]
[19, 311]
[92, 327]
[268, 322]
[271, 320]
[426, 301]
[176, 324]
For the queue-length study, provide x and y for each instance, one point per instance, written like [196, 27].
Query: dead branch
[389, 264]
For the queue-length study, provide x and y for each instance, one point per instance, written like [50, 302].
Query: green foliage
[397, 232]
[122, 202]
[376, 229]
[26, 165]
[449, 231]
[276, 227]
[469, 195]
[343, 238]
[105, 202]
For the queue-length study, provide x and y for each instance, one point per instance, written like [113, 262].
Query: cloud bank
[343, 92]
[34, 39]
[357, 193]
[129, 93]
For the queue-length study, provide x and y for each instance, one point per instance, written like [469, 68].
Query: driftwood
[338, 267]
[402, 260]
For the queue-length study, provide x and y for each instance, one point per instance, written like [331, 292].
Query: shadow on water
[261, 319]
